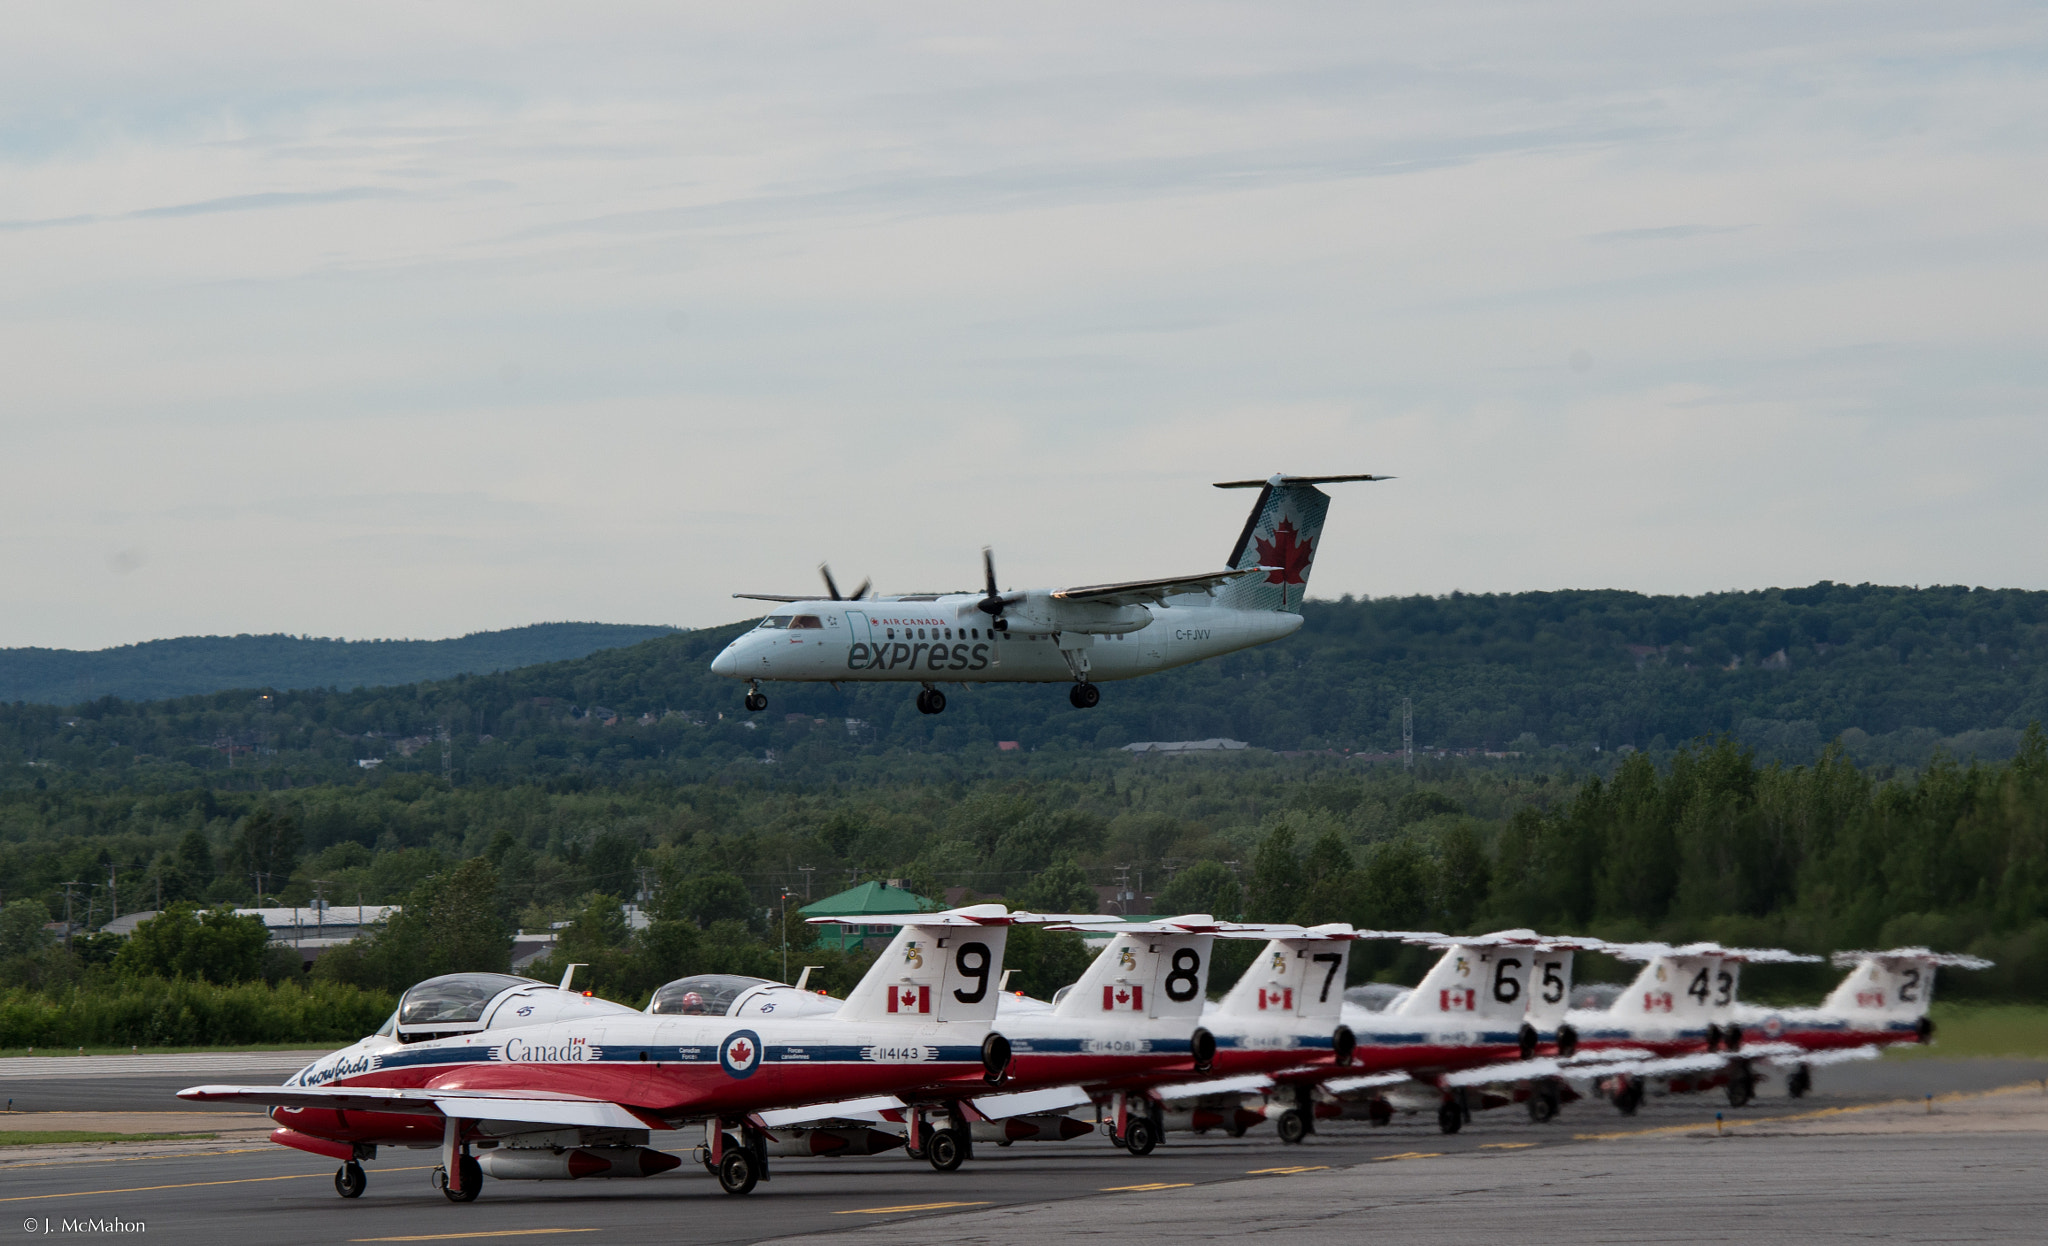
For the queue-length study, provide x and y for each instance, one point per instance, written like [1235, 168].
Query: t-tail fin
[1281, 536]
[1483, 977]
[1295, 975]
[940, 966]
[1892, 986]
[1677, 986]
[1154, 969]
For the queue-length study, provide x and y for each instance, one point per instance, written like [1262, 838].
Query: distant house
[877, 898]
[308, 929]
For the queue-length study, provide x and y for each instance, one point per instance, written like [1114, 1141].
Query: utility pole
[67, 911]
[805, 870]
[113, 896]
[1407, 734]
[320, 906]
[447, 756]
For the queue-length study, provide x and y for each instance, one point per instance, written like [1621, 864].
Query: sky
[421, 319]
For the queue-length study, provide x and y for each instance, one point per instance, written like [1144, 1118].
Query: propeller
[992, 604]
[832, 586]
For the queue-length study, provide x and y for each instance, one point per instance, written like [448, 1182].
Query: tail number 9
[972, 960]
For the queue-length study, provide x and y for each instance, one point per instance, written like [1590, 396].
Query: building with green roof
[878, 898]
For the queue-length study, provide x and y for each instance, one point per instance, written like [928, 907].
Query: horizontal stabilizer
[1946, 960]
[1294, 480]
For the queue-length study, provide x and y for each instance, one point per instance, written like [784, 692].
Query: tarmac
[1922, 1150]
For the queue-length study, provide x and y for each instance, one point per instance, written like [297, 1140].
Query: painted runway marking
[1413, 1155]
[1504, 1146]
[129, 1159]
[1153, 1185]
[446, 1237]
[1286, 1172]
[1956, 1096]
[189, 1185]
[883, 1211]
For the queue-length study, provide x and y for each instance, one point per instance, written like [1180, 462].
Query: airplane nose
[727, 663]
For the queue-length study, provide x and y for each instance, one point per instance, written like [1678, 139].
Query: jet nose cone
[727, 663]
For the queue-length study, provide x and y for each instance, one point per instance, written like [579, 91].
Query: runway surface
[1865, 1156]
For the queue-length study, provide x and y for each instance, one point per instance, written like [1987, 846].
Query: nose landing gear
[755, 701]
[1084, 696]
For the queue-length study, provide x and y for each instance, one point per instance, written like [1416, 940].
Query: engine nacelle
[1042, 613]
[574, 1163]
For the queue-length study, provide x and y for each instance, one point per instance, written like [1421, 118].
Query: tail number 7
[1332, 959]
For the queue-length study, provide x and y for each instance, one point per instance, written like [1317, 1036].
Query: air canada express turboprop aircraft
[1049, 635]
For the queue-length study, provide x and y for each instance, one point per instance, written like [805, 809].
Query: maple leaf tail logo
[1287, 555]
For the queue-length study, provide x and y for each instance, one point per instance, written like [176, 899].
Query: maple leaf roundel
[741, 1053]
[1286, 553]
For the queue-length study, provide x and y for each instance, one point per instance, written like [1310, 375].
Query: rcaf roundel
[740, 1054]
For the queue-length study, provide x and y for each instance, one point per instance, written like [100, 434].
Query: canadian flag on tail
[1276, 997]
[1457, 1000]
[910, 999]
[1117, 996]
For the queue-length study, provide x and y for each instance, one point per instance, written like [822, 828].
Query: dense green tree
[1275, 890]
[1205, 887]
[1059, 888]
[451, 923]
[214, 945]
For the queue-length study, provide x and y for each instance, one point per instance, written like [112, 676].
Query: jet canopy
[703, 995]
[465, 1003]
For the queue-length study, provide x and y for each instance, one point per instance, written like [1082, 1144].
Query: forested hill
[1894, 671]
[199, 664]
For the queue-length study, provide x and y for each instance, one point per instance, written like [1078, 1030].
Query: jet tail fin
[1155, 969]
[1892, 986]
[939, 967]
[1299, 974]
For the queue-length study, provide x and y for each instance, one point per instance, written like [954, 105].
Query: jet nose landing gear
[755, 702]
[1084, 696]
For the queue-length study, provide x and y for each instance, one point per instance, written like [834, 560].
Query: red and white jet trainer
[1135, 1011]
[1085, 634]
[550, 1084]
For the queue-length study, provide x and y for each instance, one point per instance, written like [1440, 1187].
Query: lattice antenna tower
[1407, 734]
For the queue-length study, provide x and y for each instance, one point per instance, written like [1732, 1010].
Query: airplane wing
[539, 1107]
[1138, 592]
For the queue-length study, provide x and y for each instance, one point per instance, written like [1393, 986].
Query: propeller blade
[992, 603]
[862, 591]
[831, 588]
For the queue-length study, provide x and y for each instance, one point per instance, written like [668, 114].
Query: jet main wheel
[945, 1151]
[1450, 1117]
[1379, 1112]
[1542, 1103]
[1741, 1088]
[1292, 1126]
[738, 1172]
[1629, 1098]
[1800, 1082]
[1084, 696]
[1140, 1137]
[350, 1181]
[756, 702]
[472, 1182]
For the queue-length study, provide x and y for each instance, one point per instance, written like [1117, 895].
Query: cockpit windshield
[706, 995]
[455, 999]
[774, 622]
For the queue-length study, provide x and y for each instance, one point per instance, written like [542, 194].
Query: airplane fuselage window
[775, 622]
[807, 621]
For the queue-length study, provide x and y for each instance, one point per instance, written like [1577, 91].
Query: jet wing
[539, 1107]
[1139, 592]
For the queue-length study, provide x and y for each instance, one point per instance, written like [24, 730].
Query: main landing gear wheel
[931, 701]
[1543, 1103]
[1140, 1137]
[472, 1181]
[738, 1172]
[1800, 1082]
[1629, 1098]
[1741, 1087]
[1451, 1116]
[945, 1151]
[756, 702]
[1292, 1127]
[1379, 1112]
[1084, 696]
[350, 1181]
